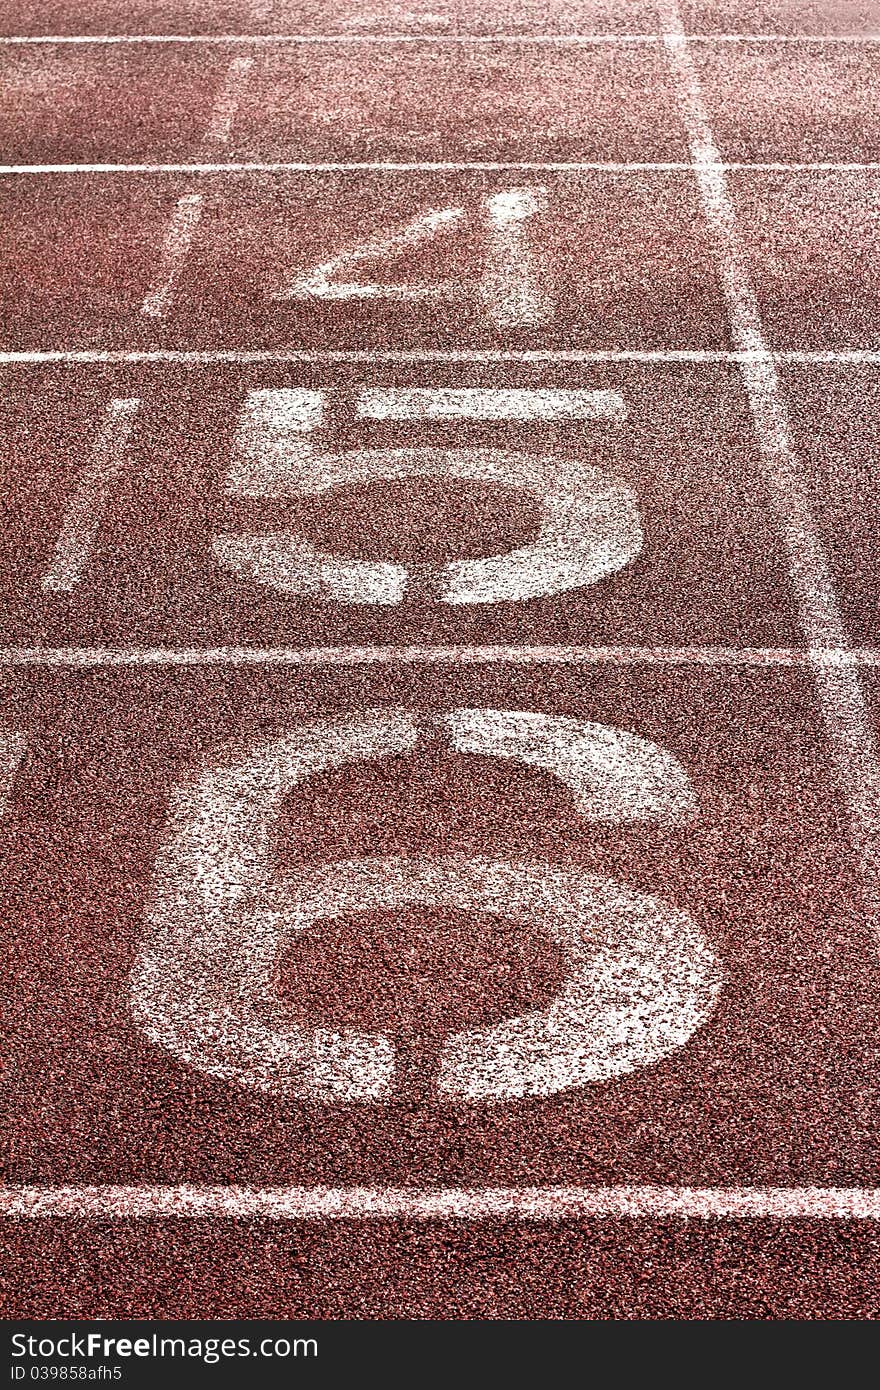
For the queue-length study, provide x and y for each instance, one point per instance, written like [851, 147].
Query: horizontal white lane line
[191, 357]
[375, 39]
[353, 39]
[447, 166]
[386, 166]
[519, 655]
[445, 1203]
[246, 356]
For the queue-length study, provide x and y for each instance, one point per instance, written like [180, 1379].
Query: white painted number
[509, 290]
[640, 976]
[590, 527]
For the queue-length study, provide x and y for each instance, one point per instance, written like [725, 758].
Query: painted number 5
[640, 977]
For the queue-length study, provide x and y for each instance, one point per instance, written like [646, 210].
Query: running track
[439, 673]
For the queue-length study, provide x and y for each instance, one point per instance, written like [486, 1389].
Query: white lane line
[337, 167]
[226, 106]
[847, 719]
[86, 658]
[87, 505]
[176, 246]
[245, 356]
[187, 214]
[556, 40]
[448, 166]
[320, 283]
[476, 403]
[190, 357]
[445, 1203]
[12, 749]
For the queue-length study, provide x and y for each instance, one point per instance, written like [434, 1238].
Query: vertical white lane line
[175, 248]
[847, 718]
[219, 126]
[12, 750]
[86, 508]
[510, 281]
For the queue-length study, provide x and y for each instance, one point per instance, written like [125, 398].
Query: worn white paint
[561, 166]
[509, 287]
[228, 100]
[452, 1204]
[847, 719]
[640, 976]
[85, 357]
[176, 246]
[322, 283]
[512, 293]
[590, 528]
[590, 525]
[485, 403]
[13, 745]
[613, 774]
[518, 654]
[88, 502]
[202, 985]
[284, 561]
[271, 440]
[609, 39]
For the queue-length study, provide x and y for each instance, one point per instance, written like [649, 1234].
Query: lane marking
[477, 403]
[272, 438]
[86, 658]
[613, 774]
[508, 287]
[672, 166]
[590, 525]
[639, 979]
[319, 282]
[847, 718]
[511, 289]
[228, 99]
[176, 246]
[191, 357]
[556, 40]
[86, 508]
[446, 1203]
[538, 1203]
[13, 746]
